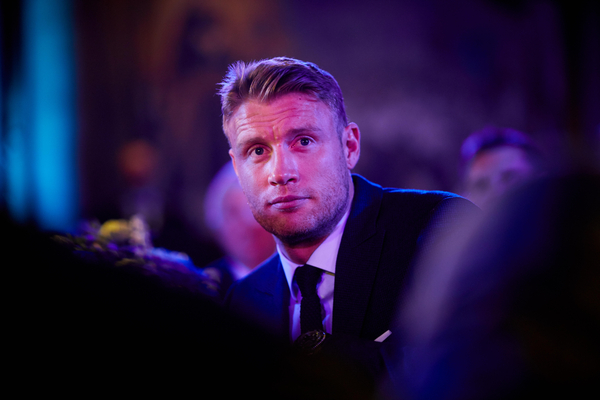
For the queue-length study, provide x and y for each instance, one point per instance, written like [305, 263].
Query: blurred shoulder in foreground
[77, 326]
[511, 309]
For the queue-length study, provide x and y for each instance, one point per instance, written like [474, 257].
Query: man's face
[494, 171]
[293, 166]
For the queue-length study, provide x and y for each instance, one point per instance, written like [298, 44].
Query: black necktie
[307, 278]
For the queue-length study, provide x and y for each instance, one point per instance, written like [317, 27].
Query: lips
[287, 202]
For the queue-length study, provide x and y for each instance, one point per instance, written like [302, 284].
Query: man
[245, 243]
[494, 161]
[293, 148]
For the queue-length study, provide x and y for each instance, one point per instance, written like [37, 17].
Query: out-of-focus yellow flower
[132, 232]
[127, 244]
[115, 229]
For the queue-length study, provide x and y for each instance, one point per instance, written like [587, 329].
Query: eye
[304, 142]
[259, 151]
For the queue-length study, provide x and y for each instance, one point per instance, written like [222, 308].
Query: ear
[233, 162]
[351, 144]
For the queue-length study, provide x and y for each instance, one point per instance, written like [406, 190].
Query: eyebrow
[304, 129]
[244, 144]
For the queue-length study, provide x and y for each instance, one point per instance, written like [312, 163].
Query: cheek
[250, 186]
[247, 176]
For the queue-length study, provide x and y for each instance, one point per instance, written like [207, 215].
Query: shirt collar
[324, 256]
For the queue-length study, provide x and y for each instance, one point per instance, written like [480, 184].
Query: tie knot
[307, 278]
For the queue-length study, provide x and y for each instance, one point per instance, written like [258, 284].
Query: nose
[283, 168]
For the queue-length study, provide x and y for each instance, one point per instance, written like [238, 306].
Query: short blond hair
[268, 79]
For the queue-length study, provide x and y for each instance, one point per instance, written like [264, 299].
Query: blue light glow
[17, 176]
[49, 78]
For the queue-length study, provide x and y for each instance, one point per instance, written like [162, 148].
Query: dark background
[418, 76]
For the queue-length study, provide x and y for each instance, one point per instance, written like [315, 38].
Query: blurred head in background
[495, 160]
[228, 216]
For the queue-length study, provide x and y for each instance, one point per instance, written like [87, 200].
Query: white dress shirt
[324, 257]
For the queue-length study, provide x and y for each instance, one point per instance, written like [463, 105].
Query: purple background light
[418, 77]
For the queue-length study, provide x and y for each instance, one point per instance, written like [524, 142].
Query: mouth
[287, 202]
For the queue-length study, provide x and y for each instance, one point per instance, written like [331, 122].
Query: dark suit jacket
[385, 230]
[222, 267]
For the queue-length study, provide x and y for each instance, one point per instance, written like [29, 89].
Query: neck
[299, 253]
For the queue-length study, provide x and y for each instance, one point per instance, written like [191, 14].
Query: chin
[303, 227]
[304, 235]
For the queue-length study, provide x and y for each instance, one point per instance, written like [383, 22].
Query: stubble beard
[320, 223]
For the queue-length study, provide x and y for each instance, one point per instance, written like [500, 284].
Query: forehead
[289, 111]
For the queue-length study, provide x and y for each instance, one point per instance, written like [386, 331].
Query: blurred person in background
[139, 163]
[147, 195]
[495, 160]
[227, 214]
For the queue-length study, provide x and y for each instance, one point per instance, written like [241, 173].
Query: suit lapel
[358, 258]
[271, 296]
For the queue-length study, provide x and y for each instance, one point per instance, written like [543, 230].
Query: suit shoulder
[404, 206]
[421, 207]
[267, 268]
[420, 195]
[258, 276]
[419, 199]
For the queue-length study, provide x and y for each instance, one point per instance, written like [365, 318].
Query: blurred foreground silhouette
[512, 308]
[80, 326]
